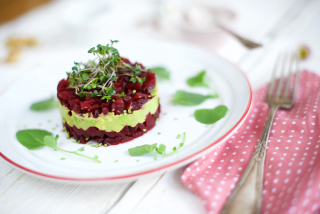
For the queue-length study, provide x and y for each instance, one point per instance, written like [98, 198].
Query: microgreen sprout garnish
[159, 133]
[44, 105]
[97, 77]
[179, 136]
[62, 158]
[153, 149]
[144, 130]
[161, 72]
[190, 99]
[116, 161]
[210, 116]
[36, 138]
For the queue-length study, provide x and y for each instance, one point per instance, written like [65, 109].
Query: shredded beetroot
[113, 138]
[95, 106]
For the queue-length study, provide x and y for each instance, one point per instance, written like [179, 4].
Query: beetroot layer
[113, 138]
[136, 95]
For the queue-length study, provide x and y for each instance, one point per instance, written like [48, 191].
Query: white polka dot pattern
[292, 167]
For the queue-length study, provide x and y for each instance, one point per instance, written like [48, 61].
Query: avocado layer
[110, 122]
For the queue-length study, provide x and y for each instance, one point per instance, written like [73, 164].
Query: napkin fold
[292, 167]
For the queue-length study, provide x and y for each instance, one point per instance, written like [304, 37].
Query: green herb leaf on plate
[36, 138]
[190, 99]
[32, 138]
[141, 150]
[198, 80]
[81, 149]
[210, 116]
[161, 149]
[44, 105]
[51, 141]
[161, 72]
[153, 149]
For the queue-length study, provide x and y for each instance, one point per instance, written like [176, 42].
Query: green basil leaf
[189, 99]
[32, 138]
[141, 150]
[35, 138]
[51, 141]
[81, 149]
[210, 116]
[144, 149]
[161, 72]
[44, 105]
[162, 148]
[198, 80]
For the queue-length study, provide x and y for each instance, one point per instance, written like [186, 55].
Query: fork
[247, 195]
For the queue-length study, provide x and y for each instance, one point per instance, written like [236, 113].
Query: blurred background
[55, 23]
[31, 28]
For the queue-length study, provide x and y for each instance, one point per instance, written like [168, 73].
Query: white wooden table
[279, 24]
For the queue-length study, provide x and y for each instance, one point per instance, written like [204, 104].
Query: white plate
[183, 61]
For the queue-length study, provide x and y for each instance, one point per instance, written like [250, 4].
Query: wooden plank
[135, 194]
[5, 168]
[21, 193]
[169, 195]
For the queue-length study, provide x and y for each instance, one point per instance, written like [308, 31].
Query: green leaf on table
[141, 150]
[44, 105]
[198, 80]
[153, 149]
[210, 116]
[32, 138]
[190, 99]
[161, 72]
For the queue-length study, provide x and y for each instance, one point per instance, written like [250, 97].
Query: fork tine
[289, 77]
[297, 71]
[283, 68]
[272, 83]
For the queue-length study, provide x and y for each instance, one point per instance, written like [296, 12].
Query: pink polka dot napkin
[292, 167]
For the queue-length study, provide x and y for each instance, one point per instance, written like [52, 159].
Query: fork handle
[247, 195]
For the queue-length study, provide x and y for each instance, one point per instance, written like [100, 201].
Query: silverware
[247, 195]
[246, 42]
